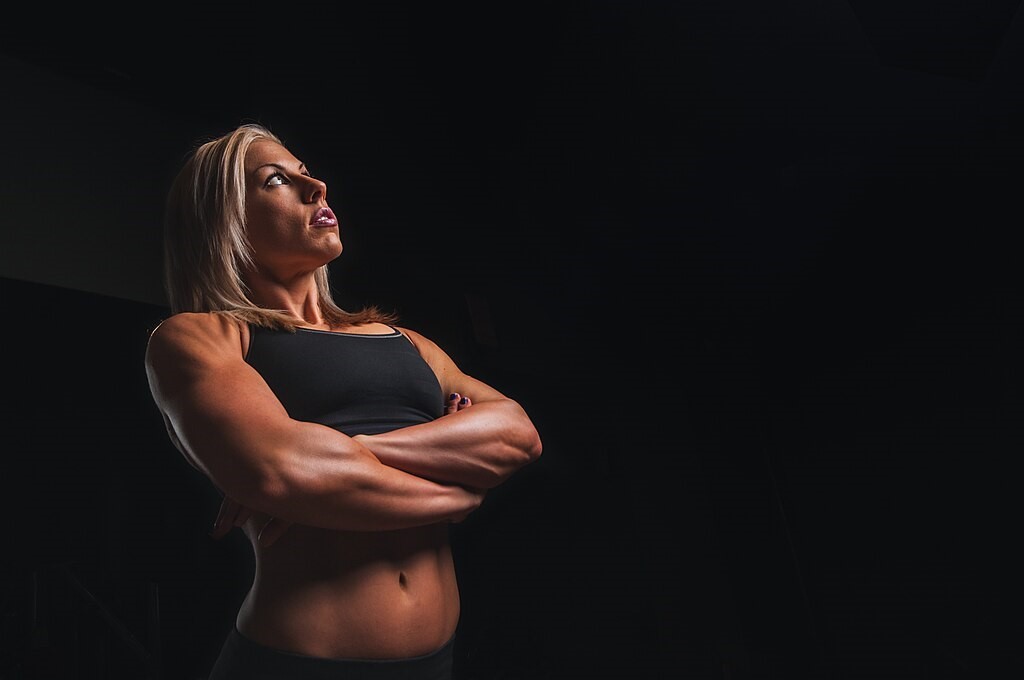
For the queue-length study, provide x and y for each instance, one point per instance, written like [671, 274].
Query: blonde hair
[205, 244]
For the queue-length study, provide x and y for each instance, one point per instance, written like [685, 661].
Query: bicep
[451, 378]
[219, 411]
[231, 423]
[477, 390]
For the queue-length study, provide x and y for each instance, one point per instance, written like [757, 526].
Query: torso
[344, 594]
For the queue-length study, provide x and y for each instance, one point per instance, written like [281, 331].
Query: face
[288, 223]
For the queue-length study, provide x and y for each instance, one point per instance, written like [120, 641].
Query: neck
[298, 296]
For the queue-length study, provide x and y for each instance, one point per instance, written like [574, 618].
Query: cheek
[255, 232]
[264, 227]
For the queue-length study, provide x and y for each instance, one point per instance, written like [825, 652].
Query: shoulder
[196, 335]
[427, 348]
[438, 360]
[451, 377]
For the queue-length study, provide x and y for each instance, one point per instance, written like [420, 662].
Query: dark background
[751, 267]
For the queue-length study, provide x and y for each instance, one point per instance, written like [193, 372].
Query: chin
[332, 245]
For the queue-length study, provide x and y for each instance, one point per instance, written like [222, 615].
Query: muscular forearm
[321, 478]
[479, 447]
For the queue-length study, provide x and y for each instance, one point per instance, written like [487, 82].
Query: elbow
[533, 447]
[526, 440]
[519, 452]
[270, 487]
[275, 490]
[527, 444]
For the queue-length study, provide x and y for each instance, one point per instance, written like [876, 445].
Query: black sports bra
[357, 384]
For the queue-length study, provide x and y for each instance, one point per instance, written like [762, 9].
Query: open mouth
[324, 217]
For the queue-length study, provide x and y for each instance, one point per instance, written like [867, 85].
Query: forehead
[265, 151]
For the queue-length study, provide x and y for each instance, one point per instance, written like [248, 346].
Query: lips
[324, 217]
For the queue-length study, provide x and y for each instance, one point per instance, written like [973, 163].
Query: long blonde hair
[205, 244]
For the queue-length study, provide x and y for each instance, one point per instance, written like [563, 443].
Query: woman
[349, 442]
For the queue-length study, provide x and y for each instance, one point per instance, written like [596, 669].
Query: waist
[354, 594]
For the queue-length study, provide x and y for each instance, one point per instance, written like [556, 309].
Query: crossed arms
[227, 422]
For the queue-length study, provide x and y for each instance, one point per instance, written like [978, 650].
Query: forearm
[479, 447]
[321, 478]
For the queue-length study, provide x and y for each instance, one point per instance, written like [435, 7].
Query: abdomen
[342, 594]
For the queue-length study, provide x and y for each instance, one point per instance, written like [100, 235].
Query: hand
[233, 514]
[456, 402]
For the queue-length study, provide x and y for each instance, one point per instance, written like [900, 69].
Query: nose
[316, 190]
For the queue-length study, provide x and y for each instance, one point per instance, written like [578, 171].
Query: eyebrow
[302, 166]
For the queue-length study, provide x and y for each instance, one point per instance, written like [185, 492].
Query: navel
[402, 582]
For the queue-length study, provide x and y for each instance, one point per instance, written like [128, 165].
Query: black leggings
[244, 659]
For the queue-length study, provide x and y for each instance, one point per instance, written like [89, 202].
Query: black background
[752, 268]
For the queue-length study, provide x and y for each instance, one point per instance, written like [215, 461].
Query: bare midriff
[353, 595]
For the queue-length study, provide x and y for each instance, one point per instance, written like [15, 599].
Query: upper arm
[449, 375]
[219, 411]
[513, 423]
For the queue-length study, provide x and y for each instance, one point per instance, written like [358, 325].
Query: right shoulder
[193, 336]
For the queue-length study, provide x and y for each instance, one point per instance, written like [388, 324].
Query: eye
[276, 179]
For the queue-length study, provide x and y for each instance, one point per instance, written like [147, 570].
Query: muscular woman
[344, 444]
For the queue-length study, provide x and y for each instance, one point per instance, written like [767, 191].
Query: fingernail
[464, 400]
[453, 396]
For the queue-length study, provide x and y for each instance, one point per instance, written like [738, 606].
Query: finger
[452, 405]
[228, 517]
[272, 531]
[225, 518]
[244, 513]
[465, 402]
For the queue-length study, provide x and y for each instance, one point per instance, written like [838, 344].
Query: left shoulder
[447, 372]
[428, 349]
